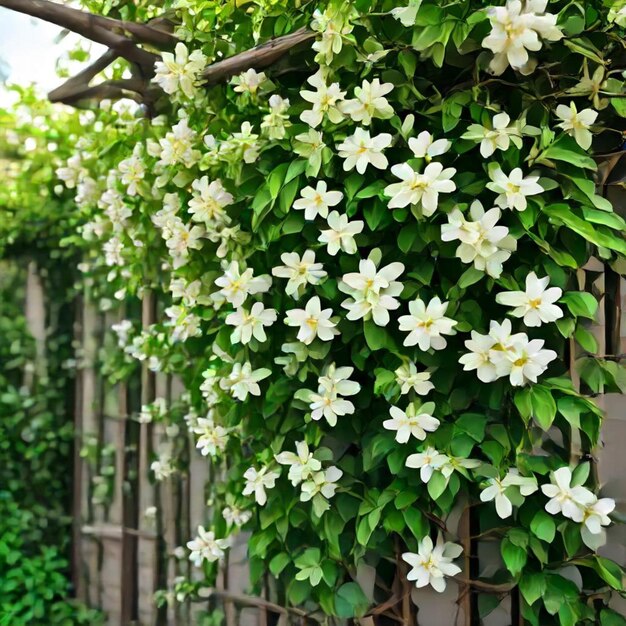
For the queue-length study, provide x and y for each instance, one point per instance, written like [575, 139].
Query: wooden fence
[126, 527]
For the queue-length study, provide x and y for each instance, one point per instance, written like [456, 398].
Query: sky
[29, 49]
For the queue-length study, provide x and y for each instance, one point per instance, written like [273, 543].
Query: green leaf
[473, 424]
[407, 237]
[295, 169]
[350, 601]
[608, 617]
[377, 337]
[584, 47]
[580, 303]
[601, 238]
[276, 179]
[404, 499]
[567, 150]
[532, 586]
[469, 277]
[543, 526]
[523, 403]
[279, 562]
[513, 556]
[543, 406]
[609, 571]
[416, 522]
[437, 485]
[580, 474]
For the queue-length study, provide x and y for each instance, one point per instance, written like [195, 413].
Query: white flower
[113, 249]
[243, 380]
[515, 29]
[249, 81]
[302, 465]
[132, 170]
[340, 235]
[424, 146]
[235, 516]
[213, 437]
[330, 405]
[328, 401]
[486, 351]
[415, 421]
[73, 171]
[163, 467]
[183, 323]
[316, 201]
[183, 238]
[596, 515]
[258, 481]
[565, 499]
[420, 189]
[323, 483]
[337, 379]
[427, 462]
[514, 188]
[113, 204]
[243, 143]
[177, 146]
[432, 563]
[497, 490]
[208, 202]
[333, 24]
[360, 150]
[310, 145]
[483, 242]
[312, 322]
[524, 362]
[370, 102]
[536, 304]
[426, 324]
[277, 120]
[299, 272]
[576, 123]
[479, 357]
[180, 70]
[372, 291]
[409, 379]
[188, 292]
[205, 547]
[122, 330]
[236, 286]
[498, 137]
[250, 324]
[325, 100]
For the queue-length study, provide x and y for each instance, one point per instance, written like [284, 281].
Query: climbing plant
[370, 254]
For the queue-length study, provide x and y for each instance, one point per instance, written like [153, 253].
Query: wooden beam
[258, 58]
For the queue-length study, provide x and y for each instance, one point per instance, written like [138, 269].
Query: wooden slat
[147, 550]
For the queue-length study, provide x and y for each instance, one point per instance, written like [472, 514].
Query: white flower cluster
[580, 505]
[517, 28]
[500, 353]
[330, 401]
[482, 241]
[317, 484]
